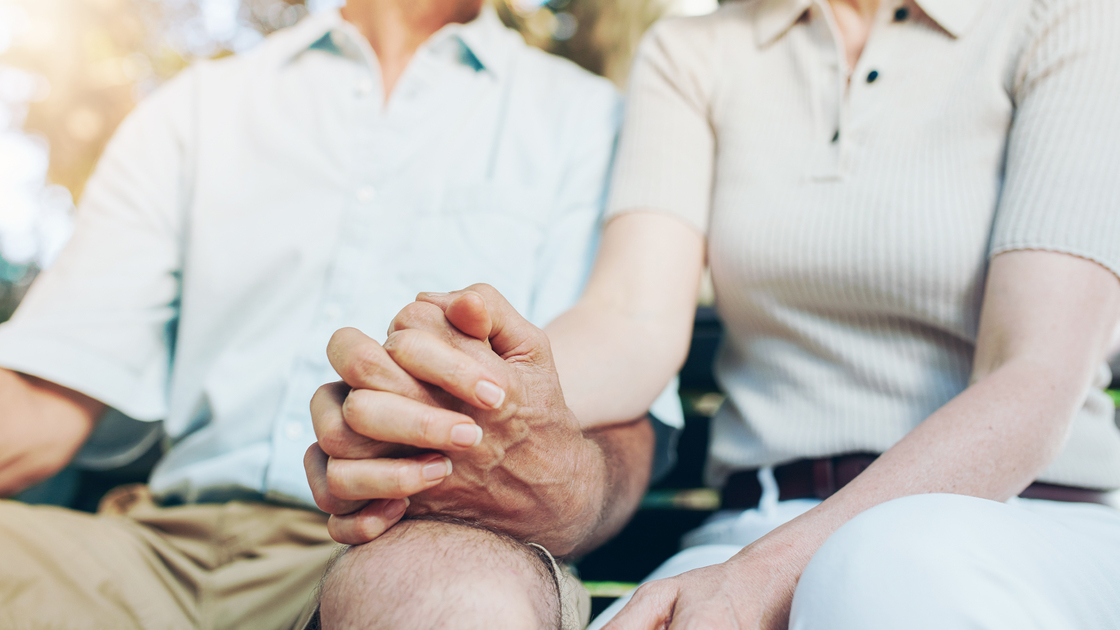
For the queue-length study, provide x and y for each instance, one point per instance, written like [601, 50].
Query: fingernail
[436, 294]
[437, 469]
[490, 394]
[395, 509]
[466, 435]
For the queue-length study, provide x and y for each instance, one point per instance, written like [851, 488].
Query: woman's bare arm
[1045, 325]
[617, 348]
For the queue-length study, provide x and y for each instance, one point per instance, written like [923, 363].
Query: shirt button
[293, 431]
[366, 194]
[874, 74]
[901, 14]
[332, 312]
[364, 87]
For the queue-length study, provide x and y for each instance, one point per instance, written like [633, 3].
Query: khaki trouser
[138, 565]
[135, 564]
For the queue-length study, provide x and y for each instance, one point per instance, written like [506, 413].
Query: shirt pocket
[479, 232]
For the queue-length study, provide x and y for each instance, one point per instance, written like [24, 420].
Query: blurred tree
[96, 58]
[599, 35]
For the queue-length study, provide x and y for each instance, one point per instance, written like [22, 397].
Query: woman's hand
[751, 591]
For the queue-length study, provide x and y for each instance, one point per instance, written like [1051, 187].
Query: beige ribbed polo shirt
[850, 223]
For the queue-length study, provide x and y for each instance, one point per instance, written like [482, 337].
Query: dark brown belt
[821, 478]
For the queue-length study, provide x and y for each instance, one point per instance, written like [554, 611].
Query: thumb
[469, 314]
[651, 607]
[482, 312]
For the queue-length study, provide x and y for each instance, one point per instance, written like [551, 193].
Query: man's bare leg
[437, 574]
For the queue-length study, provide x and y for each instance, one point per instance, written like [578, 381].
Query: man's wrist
[575, 513]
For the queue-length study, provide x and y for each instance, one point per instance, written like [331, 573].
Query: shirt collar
[482, 43]
[774, 17]
[954, 16]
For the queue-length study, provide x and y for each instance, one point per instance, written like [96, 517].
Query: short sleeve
[101, 319]
[1062, 181]
[666, 152]
[568, 249]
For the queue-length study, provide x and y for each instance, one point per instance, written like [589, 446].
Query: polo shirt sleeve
[1062, 179]
[666, 152]
[102, 319]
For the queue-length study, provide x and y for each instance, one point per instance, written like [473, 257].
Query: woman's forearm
[611, 368]
[1045, 326]
[618, 347]
[991, 441]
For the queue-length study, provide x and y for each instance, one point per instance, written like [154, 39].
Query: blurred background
[71, 70]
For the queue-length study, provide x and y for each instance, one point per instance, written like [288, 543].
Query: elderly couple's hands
[459, 414]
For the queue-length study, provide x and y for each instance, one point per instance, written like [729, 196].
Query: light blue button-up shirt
[258, 203]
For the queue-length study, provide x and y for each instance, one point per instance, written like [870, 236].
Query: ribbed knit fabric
[850, 224]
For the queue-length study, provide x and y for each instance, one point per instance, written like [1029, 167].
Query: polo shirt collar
[954, 16]
[774, 17]
[482, 43]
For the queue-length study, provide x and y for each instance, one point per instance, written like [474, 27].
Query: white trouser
[937, 562]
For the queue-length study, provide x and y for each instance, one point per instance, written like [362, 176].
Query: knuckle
[428, 426]
[332, 444]
[324, 501]
[461, 368]
[401, 342]
[311, 458]
[341, 530]
[338, 480]
[420, 314]
[405, 481]
[367, 365]
[352, 407]
[648, 589]
[484, 289]
[369, 527]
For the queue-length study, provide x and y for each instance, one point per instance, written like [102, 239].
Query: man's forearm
[628, 454]
[42, 425]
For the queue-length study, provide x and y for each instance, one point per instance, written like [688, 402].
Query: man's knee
[928, 561]
[429, 574]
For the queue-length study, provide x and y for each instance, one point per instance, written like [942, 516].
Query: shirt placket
[854, 96]
[826, 54]
[292, 430]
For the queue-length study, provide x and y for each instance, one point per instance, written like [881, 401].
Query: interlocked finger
[335, 436]
[432, 360]
[363, 364]
[363, 479]
[385, 417]
[315, 465]
[368, 523]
